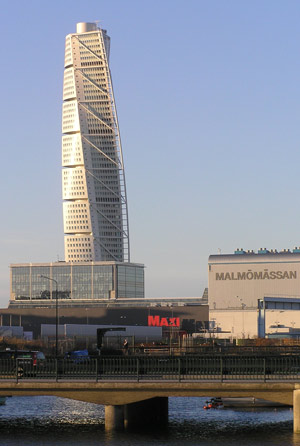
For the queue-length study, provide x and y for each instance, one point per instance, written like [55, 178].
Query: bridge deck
[125, 379]
[125, 392]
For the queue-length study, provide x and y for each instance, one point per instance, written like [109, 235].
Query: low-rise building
[240, 279]
[38, 284]
[238, 282]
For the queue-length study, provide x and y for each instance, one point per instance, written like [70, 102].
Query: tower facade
[93, 181]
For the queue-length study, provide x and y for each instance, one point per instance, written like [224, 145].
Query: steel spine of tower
[94, 188]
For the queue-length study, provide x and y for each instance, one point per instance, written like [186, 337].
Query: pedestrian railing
[156, 368]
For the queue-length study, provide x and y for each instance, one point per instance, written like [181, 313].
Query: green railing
[159, 368]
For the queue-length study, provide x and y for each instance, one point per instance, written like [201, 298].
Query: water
[55, 421]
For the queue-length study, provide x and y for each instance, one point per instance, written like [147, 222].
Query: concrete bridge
[135, 389]
[130, 403]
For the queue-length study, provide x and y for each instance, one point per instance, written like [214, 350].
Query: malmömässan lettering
[257, 275]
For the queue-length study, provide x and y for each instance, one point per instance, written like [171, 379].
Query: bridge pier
[114, 418]
[296, 408]
[152, 412]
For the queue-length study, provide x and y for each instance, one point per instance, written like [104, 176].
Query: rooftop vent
[262, 251]
[239, 251]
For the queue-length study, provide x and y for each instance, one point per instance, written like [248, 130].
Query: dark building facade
[191, 318]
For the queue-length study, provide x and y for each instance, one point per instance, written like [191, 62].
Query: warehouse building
[238, 282]
[240, 279]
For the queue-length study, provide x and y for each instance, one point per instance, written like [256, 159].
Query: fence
[160, 368]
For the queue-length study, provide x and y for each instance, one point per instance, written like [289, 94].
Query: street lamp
[243, 305]
[56, 313]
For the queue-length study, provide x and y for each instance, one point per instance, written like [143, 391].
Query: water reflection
[49, 420]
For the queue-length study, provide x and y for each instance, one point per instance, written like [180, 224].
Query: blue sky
[208, 101]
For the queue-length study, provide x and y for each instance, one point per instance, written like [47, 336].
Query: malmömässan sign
[257, 275]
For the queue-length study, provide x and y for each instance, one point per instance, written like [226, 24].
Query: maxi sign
[156, 321]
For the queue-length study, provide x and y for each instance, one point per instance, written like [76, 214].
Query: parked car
[78, 356]
[22, 362]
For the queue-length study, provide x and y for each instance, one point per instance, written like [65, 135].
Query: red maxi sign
[156, 321]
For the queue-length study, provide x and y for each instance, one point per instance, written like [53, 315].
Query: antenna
[219, 251]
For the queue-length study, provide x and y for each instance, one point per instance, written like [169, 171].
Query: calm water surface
[56, 421]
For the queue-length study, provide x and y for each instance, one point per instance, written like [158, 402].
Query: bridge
[135, 389]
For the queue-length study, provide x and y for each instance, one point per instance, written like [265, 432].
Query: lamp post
[243, 305]
[56, 313]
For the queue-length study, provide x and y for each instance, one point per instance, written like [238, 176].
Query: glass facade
[130, 282]
[62, 275]
[40, 287]
[103, 281]
[20, 283]
[88, 281]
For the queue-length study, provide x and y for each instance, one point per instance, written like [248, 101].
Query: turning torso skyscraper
[93, 182]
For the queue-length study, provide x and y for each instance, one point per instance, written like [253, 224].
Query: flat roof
[111, 303]
[63, 263]
[265, 257]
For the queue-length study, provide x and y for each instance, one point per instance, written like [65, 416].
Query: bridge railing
[166, 368]
[214, 349]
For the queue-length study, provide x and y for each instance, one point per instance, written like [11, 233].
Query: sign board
[157, 321]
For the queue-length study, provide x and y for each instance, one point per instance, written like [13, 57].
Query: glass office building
[86, 282]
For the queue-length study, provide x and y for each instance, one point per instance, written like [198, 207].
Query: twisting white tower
[94, 193]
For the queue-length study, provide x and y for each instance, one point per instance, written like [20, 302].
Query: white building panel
[77, 217]
[84, 330]
[74, 184]
[70, 120]
[72, 154]
[68, 52]
[69, 89]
